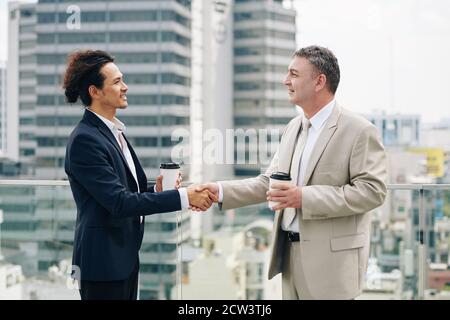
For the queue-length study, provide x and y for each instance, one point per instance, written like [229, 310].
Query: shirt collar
[318, 120]
[116, 124]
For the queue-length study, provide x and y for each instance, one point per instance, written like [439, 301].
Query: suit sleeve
[366, 189]
[241, 193]
[89, 165]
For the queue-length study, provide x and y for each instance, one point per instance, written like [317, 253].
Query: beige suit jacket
[344, 180]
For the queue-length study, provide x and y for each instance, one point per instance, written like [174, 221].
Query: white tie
[289, 213]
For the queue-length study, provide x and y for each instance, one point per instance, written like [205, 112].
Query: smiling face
[113, 93]
[301, 81]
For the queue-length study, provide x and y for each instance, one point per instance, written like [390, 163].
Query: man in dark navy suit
[108, 183]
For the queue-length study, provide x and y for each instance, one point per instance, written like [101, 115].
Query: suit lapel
[295, 161]
[288, 146]
[322, 141]
[287, 150]
[277, 223]
[142, 178]
[108, 134]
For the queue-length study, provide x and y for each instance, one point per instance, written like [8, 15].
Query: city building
[397, 130]
[3, 110]
[264, 42]
[435, 160]
[240, 54]
[437, 137]
[399, 236]
[10, 275]
[251, 262]
[150, 41]
[234, 260]
[22, 86]
[11, 279]
[206, 271]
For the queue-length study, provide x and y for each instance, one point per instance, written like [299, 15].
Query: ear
[93, 92]
[321, 81]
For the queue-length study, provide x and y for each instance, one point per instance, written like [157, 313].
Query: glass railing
[409, 252]
[36, 233]
[218, 255]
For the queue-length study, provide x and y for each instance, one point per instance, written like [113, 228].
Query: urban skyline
[156, 60]
[395, 39]
[39, 221]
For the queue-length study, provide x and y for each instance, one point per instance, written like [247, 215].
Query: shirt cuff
[220, 192]
[184, 198]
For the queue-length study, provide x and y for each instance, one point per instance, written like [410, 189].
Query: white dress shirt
[116, 126]
[317, 124]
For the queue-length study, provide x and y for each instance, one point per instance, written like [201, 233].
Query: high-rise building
[3, 110]
[264, 42]
[21, 86]
[241, 51]
[211, 104]
[397, 130]
[18, 203]
[150, 41]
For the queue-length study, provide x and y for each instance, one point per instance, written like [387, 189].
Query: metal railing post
[421, 254]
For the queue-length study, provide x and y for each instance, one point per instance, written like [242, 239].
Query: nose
[124, 87]
[286, 80]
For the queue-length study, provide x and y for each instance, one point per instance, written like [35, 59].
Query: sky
[3, 30]
[393, 55]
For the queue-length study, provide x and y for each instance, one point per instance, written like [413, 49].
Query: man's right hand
[211, 186]
[200, 200]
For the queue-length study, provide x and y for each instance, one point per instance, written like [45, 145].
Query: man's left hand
[288, 196]
[179, 179]
[158, 185]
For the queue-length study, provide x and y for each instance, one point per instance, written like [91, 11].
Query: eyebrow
[292, 70]
[119, 77]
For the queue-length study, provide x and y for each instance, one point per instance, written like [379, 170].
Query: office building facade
[150, 41]
[264, 41]
[3, 114]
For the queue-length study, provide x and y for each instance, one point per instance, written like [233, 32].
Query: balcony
[409, 257]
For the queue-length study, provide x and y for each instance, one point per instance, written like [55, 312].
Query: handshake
[201, 196]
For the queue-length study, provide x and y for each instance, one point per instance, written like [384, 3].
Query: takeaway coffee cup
[170, 172]
[279, 177]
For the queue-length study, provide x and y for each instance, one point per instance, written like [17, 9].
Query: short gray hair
[324, 61]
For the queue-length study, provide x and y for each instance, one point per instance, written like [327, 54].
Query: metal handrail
[48, 183]
[419, 186]
[405, 186]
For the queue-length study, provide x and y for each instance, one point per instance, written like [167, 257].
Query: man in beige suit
[337, 163]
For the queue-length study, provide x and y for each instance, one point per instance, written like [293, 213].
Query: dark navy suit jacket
[108, 232]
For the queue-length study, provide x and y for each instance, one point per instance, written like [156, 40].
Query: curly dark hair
[324, 61]
[83, 70]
